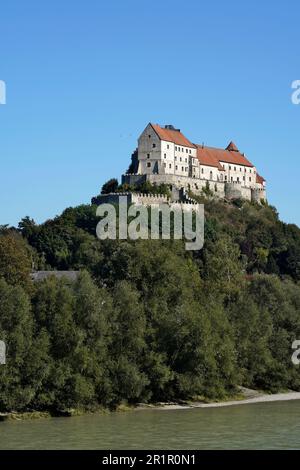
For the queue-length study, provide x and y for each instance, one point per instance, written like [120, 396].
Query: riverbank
[246, 397]
[250, 396]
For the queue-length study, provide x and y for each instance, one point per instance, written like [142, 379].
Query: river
[256, 426]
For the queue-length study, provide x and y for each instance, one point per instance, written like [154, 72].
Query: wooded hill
[147, 321]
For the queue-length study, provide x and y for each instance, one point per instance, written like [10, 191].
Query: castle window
[190, 151]
[244, 178]
[176, 167]
[245, 170]
[182, 169]
[175, 158]
[149, 136]
[232, 179]
[148, 155]
[250, 179]
[168, 146]
[240, 168]
[186, 160]
[165, 155]
[170, 165]
[202, 171]
[165, 164]
[186, 150]
[154, 145]
[238, 179]
[250, 171]
[235, 168]
[211, 175]
[148, 164]
[229, 167]
[180, 159]
[175, 148]
[225, 177]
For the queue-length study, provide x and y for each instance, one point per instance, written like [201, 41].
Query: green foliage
[147, 320]
[206, 191]
[110, 186]
[146, 188]
[26, 351]
[15, 259]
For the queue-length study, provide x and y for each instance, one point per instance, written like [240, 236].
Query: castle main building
[165, 155]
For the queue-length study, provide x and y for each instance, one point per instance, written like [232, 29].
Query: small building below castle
[166, 155]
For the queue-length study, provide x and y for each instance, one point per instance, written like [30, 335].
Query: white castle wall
[147, 200]
[219, 189]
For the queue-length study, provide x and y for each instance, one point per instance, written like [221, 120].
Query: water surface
[256, 426]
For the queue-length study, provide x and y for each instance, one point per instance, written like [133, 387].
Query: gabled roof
[259, 179]
[227, 156]
[232, 147]
[171, 135]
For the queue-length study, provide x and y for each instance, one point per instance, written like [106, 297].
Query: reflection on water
[256, 426]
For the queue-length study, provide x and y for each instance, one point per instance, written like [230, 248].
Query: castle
[165, 155]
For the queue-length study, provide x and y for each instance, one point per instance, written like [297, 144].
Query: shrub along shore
[147, 321]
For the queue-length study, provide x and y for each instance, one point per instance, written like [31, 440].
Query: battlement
[147, 200]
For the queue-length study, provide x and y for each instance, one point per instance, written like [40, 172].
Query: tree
[15, 260]
[127, 347]
[26, 353]
[223, 269]
[110, 186]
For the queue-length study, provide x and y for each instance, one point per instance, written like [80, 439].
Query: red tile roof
[207, 156]
[172, 136]
[232, 147]
[259, 179]
[226, 156]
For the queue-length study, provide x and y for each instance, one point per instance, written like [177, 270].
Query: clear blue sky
[85, 77]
